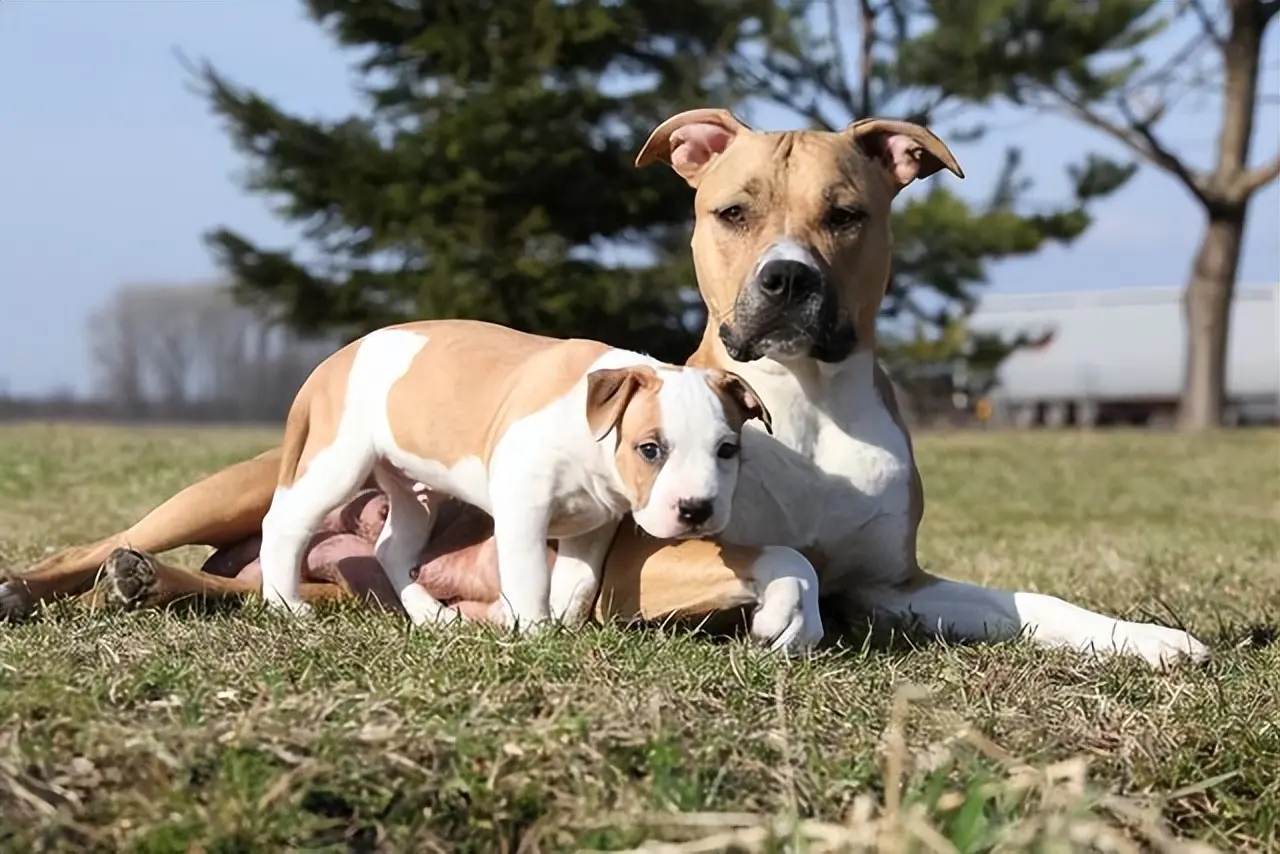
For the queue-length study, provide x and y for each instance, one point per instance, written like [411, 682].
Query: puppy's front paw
[275, 601]
[502, 614]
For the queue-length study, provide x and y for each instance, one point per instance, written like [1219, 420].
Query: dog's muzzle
[786, 282]
[788, 309]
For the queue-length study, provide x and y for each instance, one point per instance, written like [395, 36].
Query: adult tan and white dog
[792, 250]
[553, 438]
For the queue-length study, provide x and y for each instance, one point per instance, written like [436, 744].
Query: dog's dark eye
[843, 219]
[727, 451]
[651, 451]
[734, 216]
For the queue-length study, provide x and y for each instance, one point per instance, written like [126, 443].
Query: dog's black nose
[786, 280]
[694, 511]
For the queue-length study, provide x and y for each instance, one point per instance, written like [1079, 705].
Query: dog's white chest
[834, 480]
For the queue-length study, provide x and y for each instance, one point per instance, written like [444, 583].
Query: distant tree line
[191, 352]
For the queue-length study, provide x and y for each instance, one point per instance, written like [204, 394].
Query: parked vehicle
[1118, 356]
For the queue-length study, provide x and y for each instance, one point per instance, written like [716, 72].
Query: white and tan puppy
[554, 438]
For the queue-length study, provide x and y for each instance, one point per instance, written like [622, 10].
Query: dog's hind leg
[218, 510]
[971, 612]
[139, 580]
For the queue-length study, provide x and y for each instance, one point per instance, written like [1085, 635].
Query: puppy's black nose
[787, 280]
[694, 511]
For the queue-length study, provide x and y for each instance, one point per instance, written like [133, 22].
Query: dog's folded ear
[739, 394]
[907, 151]
[689, 141]
[609, 390]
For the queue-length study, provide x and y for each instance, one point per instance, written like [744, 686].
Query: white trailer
[1118, 356]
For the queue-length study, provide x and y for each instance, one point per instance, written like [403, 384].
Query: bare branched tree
[1222, 57]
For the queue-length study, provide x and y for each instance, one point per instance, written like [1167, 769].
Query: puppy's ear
[739, 394]
[609, 390]
[907, 151]
[689, 141]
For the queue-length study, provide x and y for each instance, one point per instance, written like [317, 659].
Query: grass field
[234, 731]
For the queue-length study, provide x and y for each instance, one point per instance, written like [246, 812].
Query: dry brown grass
[238, 731]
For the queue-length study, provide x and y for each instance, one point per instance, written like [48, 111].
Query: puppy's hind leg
[400, 544]
[331, 477]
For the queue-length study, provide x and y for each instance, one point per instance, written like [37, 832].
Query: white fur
[787, 249]
[787, 617]
[694, 425]
[548, 476]
[835, 477]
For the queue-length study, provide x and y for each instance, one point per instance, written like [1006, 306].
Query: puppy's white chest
[577, 510]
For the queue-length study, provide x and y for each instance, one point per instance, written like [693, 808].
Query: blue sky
[110, 168]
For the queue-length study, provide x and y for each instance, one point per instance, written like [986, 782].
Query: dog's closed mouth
[789, 343]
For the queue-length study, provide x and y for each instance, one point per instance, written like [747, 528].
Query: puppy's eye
[727, 451]
[844, 219]
[650, 451]
[734, 216]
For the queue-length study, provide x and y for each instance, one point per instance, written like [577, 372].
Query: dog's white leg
[575, 576]
[331, 477]
[968, 611]
[787, 617]
[399, 548]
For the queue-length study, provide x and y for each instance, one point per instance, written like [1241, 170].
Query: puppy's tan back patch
[472, 380]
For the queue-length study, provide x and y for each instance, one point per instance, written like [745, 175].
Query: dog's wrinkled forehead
[789, 178]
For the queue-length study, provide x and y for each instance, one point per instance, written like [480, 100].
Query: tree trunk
[1207, 301]
[1207, 306]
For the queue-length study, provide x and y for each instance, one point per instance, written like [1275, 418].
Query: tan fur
[502, 374]
[929, 152]
[651, 579]
[781, 200]
[610, 393]
[741, 403]
[314, 415]
[639, 422]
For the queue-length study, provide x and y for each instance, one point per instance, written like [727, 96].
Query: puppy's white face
[678, 447]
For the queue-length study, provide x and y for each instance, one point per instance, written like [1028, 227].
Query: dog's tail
[297, 428]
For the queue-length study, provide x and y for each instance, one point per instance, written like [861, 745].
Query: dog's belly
[467, 479]
[845, 502]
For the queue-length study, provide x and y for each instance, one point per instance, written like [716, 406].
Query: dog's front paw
[787, 618]
[1159, 646]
